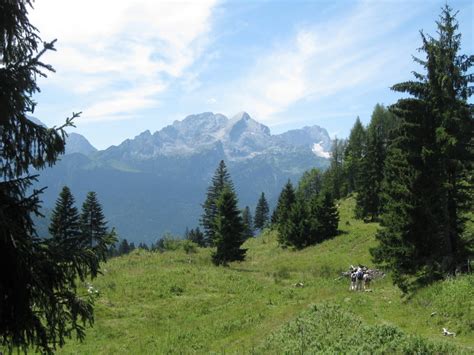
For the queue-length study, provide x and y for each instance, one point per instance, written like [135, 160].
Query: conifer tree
[93, 224]
[228, 230]
[196, 236]
[65, 217]
[282, 211]
[220, 180]
[296, 231]
[39, 303]
[124, 247]
[353, 155]
[261, 212]
[334, 179]
[328, 217]
[248, 223]
[429, 166]
[310, 184]
[379, 133]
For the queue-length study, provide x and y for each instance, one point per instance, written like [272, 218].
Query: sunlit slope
[177, 302]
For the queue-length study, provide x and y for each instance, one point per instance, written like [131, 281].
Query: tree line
[411, 167]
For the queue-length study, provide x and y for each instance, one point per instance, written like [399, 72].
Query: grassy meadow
[178, 302]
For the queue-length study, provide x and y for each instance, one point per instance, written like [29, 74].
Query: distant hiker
[367, 279]
[360, 278]
[353, 281]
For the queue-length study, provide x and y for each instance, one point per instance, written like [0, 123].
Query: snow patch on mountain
[318, 149]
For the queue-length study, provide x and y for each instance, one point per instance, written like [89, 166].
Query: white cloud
[345, 52]
[107, 45]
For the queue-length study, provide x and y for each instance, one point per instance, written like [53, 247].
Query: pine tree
[124, 247]
[65, 218]
[261, 213]
[228, 230]
[353, 155]
[248, 223]
[220, 180]
[93, 224]
[334, 179]
[196, 236]
[429, 166]
[328, 217]
[39, 304]
[282, 211]
[296, 231]
[379, 133]
[310, 184]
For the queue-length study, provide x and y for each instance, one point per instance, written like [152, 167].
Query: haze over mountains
[156, 183]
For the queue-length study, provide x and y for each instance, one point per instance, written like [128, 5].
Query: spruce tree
[39, 304]
[379, 133]
[310, 184]
[124, 247]
[353, 155]
[328, 217]
[220, 180]
[334, 179]
[261, 213]
[248, 223]
[282, 211]
[93, 224]
[228, 230]
[196, 236]
[65, 218]
[296, 231]
[429, 166]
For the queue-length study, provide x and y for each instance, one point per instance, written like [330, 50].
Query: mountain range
[156, 182]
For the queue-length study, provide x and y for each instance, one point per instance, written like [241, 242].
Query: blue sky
[136, 65]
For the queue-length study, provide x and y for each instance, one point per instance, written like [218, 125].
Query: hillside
[177, 302]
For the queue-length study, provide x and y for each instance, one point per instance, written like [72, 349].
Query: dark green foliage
[93, 224]
[220, 180]
[124, 247]
[326, 216]
[296, 231]
[65, 217]
[334, 179]
[310, 222]
[248, 223]
[353, 156]
[429, 166]
[281, 213]
[40, 305]
[261, 213]
[228, 230]
[379, 134]
[196, 236]
[310, 184]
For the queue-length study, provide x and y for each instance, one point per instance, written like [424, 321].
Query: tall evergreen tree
[296, 231]
[248, 223]
[282, 211]
[334, 179]
[310, 184]
[65, 217]
[93, 224]
[353, 155]
[261, 212]
[220, 180]
[228, 230]
[124, 247]
[327, 216]
[379, 134]
[429, 166]
[39, 304]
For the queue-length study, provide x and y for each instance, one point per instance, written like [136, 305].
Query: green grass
[178, 302]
